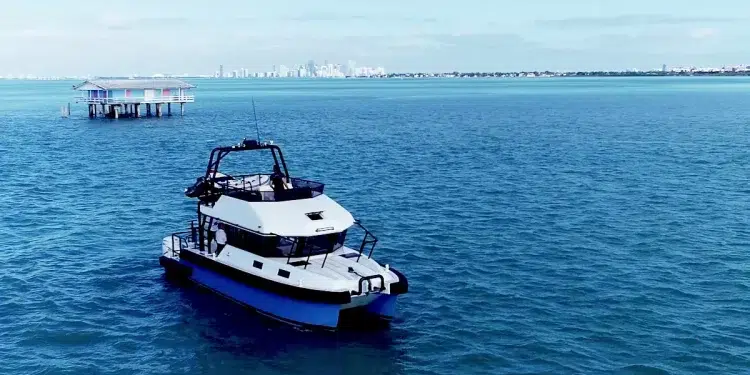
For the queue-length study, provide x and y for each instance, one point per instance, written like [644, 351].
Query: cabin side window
[259, 245]
[275, 247]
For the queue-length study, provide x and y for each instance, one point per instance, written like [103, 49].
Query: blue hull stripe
[303, 312]
[384, 306]
[257, 282]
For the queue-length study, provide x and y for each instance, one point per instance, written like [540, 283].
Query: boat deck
[339, 270]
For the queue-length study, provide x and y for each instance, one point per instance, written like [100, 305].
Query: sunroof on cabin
[314, 216]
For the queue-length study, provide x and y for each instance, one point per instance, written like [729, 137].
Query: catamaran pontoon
[277, 244]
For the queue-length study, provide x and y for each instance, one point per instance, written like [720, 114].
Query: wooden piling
[137, 110]
[148, 109]
[116, 112]
[158, 109]
[182, 109]
[169, 109]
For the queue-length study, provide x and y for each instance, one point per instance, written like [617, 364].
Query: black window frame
[269, 246]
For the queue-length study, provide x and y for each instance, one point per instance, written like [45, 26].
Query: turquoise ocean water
[547, 226]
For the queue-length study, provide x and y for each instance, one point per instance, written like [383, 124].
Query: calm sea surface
[555, 226]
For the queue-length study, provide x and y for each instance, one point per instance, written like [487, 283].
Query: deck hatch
[315, 215]
[298, 263]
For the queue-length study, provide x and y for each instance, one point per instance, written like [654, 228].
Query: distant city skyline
[329, 70]
[84, 37]
[309, 69]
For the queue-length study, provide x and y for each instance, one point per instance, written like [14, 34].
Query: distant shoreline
[529, 74]
[536, 74]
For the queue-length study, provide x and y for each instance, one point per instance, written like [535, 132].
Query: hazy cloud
[325, 17]
[304, 24]
[116, 23]
[33, 33]
[704, 33]
[630, 20]
[475, 52]
[338, 17]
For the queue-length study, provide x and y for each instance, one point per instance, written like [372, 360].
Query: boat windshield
[278, 246]
[304, 246]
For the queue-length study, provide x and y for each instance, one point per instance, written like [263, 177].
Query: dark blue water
[546, 226]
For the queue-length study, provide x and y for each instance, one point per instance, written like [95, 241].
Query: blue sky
[106, 38]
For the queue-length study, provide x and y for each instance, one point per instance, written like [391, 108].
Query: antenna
[257, 129]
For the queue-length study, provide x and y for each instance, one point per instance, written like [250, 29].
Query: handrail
[295, 181]
[300, 189]
[137, 99]
[365, 241]
[292, 249]
[370, 288]
[181, 240]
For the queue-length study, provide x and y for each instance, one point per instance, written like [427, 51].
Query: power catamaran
[279, 245]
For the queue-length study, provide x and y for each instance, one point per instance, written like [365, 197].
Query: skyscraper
[311, 68]
[221, 71]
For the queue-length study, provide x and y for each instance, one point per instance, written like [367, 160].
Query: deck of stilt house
[115, 98]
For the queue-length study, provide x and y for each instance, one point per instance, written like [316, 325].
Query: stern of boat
[170, 257]
[375, 299]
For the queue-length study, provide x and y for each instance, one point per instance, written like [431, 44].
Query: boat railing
[137, 99]
[293, 249]
[180, 241]
[248, 191]
[369, 241]
[370, 287]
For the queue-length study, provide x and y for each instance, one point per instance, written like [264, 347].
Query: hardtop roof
[137, 84]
